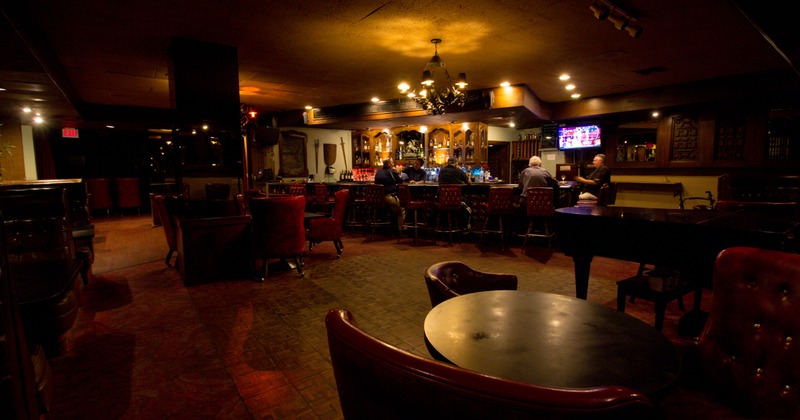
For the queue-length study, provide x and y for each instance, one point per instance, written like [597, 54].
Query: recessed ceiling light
[575, 95]
[563, 77]
[511, 124]
[505, 84]
[375, 99]
[308, 107]
[2, 89]
[655, 114]
[26, 110]
[38, 120]
[109, 126]
[569, 87]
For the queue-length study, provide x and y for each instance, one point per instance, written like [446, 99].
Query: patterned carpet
[146, 346]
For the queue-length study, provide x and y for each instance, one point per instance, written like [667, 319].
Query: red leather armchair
[128, 194]
[330, 229]
[449, 279]
[278, 230]
[747, 358]
[100, 194]
[376, 380]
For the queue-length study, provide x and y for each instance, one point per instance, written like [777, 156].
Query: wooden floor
[147, 346]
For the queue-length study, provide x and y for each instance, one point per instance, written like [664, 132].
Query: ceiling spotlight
[634, 30]
[600, 10]
[620, 22]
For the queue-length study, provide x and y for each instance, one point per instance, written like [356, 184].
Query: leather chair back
[278, 228]
[321, 197]
[99, 193]
[540, 201]
[749, 347]
[297, 189]
[376, 380]
[449, 197]
[128, 193]
[403, 194]
[501, 200]
[449, 279]
[374, 195]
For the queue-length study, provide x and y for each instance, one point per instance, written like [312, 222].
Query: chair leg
[169, 255]
[298, 260]
[620, 299]
[339, 246]
[661, 308]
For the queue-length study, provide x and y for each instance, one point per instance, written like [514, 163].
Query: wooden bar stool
[375, 202]
[499, 205]
[539, 207]
[411, 205]
[448, 204]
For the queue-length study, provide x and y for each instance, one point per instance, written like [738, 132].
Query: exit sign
[69, 133]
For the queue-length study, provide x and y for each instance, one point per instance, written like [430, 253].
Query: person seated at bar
[389, 177]
[534, 176]
[601, 175]
[452, 173]
[415, 172]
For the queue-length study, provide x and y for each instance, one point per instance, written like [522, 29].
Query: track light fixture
[622, 20]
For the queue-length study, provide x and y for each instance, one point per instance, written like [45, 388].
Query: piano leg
[582, 264]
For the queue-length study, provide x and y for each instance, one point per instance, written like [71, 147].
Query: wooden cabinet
[467, 142]
[371, 147]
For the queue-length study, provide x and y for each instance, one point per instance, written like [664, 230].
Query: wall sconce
[604, 9]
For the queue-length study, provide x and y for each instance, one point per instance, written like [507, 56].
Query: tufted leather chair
[99, 190]
[377, 380]
[128, 194]
[330, 228]
[747, 357]
[499, 205]
[449, 279]
[278, 230]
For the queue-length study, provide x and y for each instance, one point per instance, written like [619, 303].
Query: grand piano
[685, 240]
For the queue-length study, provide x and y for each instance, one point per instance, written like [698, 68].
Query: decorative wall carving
[730, 138]
[685, 135]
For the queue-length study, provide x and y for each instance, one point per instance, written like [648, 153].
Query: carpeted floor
[146, 346]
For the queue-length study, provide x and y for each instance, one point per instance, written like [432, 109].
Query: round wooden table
[551, 340]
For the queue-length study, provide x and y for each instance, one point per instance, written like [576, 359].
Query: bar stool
[375, 202]
[404, 194]
[499, 204]
[323, 202]
[539, 207]
[448, 204]
[355, 208]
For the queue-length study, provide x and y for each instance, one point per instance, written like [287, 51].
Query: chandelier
[437, 89]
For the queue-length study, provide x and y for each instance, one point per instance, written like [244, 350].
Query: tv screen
[579, 137]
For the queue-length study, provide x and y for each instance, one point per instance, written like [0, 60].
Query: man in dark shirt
[415, 172]
[389, 178]
[601, 175]
[452, 173]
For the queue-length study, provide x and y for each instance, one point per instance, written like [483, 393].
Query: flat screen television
[579, 137]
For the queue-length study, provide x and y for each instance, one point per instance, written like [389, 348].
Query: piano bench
[657, 286]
